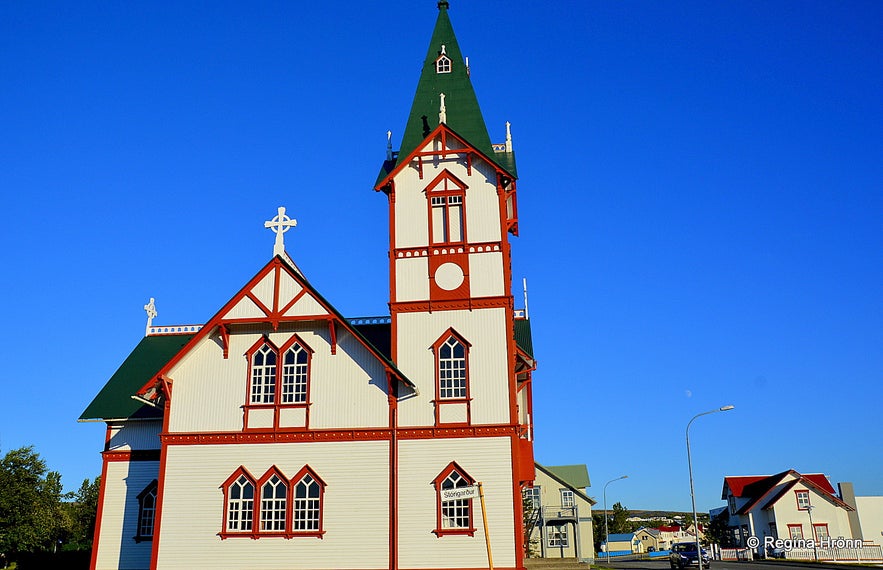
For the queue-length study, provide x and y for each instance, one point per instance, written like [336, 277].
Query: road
[716, 565]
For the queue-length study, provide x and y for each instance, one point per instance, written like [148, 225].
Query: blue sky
[700, 209]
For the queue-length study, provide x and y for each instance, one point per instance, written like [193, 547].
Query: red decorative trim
[332, 332]
[504, 302]
[133, 455]
[444, 131]
[161, 484]
[437, 482]
[225, 486]
[270, 436]
[457, 432]
[277, 405]
[102, 494]
[224, 332]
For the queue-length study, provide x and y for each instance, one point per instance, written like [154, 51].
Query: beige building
[559, 513]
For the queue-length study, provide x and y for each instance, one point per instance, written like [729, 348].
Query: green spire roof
[463, 114]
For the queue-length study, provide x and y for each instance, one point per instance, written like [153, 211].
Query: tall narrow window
[146, 512]
[452, 369]
[240, 505]
[454, 514]
[294, 375]
[274, 494]
[307, 510]
[263, 375]
[566, 498]
[447, 215]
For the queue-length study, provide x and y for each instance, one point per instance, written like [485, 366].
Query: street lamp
[812, 533]
[606, 533]
[690, 467]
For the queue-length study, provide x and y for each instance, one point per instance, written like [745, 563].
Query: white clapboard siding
[487, 460]
[356, 507]
[135, 435]
[486, 274]
[412, 279]
[488, 377]
[117, 548]
[347, 389]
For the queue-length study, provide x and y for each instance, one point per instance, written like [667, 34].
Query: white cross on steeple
[151, 313]
[280, 224]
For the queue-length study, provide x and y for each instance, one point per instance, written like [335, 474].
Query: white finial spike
[442, 111]
[151, 313]
[524, 283]
[508, 137]
[467, 66]
[443, 49]
[388, 145]
[280, 224]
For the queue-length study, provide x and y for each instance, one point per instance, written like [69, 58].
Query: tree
[718, 529]
[83, 511]
[31, 515]
[619, 522]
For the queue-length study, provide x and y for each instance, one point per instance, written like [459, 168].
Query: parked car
[684, 553]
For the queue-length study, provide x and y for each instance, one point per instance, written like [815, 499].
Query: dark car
[684, 553]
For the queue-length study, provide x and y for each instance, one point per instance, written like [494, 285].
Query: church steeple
[445, 72]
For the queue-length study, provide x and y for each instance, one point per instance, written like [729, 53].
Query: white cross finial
[151, 313]
[388, 145]
[442, 111]
[280, 224]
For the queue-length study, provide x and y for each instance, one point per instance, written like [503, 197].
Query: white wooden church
[251, 441]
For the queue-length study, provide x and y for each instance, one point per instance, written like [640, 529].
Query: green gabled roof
[461, 105]
[114, 401]
[575, 475]
[522, 336]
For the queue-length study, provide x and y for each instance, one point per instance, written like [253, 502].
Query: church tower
[455, 332]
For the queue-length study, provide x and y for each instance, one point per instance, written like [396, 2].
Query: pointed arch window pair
[272, 382]
[273, 505]
[453, 515]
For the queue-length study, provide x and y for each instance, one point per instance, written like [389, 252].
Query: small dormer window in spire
[443, 63]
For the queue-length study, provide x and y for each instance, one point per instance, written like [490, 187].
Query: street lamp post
[812, 533]
[606, 533]
[690, 467]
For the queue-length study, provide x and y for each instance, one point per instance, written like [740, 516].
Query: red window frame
[439, 400]
[438, 482]
[276, 405]
[802, 493]
[290, 486]
[446, 186]
[225, 486]
[148, 491]
[795, 527]
[815, 531]
[305, 472]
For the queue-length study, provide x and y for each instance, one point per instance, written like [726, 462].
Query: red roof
[758, 487]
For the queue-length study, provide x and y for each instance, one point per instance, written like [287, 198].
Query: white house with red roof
[788, 505]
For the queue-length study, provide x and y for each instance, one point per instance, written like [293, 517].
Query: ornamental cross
[280, 224]
[151, 313]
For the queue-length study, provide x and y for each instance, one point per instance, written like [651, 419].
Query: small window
[795, 531]
[294, 375]
[566, 498]
[802, 500]
[455, 515]
[533, 496]
[146, 512]
[821, 532]
[443, 64]
[452, 370]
